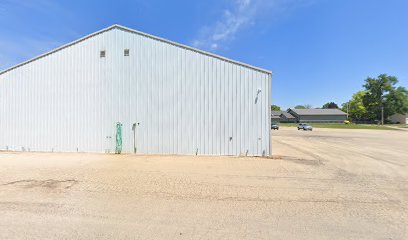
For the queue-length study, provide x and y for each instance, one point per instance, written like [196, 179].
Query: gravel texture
[325, 184]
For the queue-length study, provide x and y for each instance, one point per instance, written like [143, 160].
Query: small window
[103, 54]
[126, 52]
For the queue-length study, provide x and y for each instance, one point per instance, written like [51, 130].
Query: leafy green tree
[330, 105]
[382, 94]
[398, 101]
[356, 108]
[306, 106]
[275, 108]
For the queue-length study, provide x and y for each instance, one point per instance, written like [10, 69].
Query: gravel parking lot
[325, 184]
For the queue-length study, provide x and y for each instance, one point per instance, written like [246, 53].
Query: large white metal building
[163, 98]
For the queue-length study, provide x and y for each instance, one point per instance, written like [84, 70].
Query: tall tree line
[380, 98]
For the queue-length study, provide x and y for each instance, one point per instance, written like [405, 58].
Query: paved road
[325, 184]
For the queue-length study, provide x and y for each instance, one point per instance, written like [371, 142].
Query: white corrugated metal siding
[185, 101]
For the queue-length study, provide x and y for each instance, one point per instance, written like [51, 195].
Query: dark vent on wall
[103, 54]
[126, 52]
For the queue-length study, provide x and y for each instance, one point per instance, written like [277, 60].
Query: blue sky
[318, 50]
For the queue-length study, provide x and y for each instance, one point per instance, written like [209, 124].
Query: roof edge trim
[116, 26]
[57, 49]
[191, 48]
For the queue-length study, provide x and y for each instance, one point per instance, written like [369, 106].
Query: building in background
[287, 118]
[399, 118]
[276, 116]
[149, 95]
[282, 116]
[318, 115]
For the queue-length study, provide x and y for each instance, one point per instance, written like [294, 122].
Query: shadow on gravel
[310, 162]
[49, 184]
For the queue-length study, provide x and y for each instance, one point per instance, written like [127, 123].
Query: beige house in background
[399, 118]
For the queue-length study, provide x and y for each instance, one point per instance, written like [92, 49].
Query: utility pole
[382, 115]
[348, 103]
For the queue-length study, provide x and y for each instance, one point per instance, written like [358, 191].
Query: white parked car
[305, 127]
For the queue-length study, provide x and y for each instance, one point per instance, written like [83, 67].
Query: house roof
[317, 112]
[287, 115]
[276, 113]
[116, 26]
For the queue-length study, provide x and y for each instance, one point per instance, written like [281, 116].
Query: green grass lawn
[344, 126]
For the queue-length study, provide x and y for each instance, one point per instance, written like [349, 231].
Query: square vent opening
[126, 52]
[102, 54]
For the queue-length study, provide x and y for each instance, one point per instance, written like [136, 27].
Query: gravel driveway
[325, 184]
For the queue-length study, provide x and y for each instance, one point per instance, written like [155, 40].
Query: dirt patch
[49, 183]
[313, 162]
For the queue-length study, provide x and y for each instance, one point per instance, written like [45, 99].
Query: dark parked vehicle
[274, 126]
[305, 127]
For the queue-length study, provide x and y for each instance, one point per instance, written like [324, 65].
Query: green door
[118, 148]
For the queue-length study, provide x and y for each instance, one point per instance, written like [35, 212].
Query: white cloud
[13, 52]
[17, 45]
[237, 17]
[4, 62]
